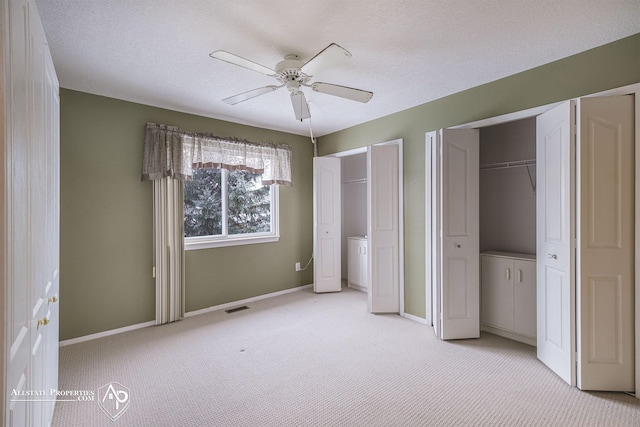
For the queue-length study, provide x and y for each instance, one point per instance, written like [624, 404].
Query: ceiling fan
[294, 74]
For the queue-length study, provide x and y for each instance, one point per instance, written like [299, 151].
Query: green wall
[106, 251]
[613, 65]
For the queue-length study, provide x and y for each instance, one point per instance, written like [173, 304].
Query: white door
[605, 275]
[327, 210]
[29, 250]
[554, 241]
[383, 228]
[457, 259]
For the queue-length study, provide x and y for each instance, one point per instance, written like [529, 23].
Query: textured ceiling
[156, 52]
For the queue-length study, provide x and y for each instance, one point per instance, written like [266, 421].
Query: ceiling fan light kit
[293, 73]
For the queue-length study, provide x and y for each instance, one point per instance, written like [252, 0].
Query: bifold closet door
[606, 357]
[455, 234]
[585, 194]
[327, 265]
[383, 195]
[555, 290]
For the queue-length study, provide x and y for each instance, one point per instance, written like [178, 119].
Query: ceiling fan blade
[342, 91]
[300, 106]
[241, 62]
[324, 58]
[232, 100]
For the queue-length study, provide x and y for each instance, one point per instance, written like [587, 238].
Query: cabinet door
[524, 288]
[364, 268]
[354, 262]
[497, 292]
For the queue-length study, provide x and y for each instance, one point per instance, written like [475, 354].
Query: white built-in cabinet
[29, 218]
[508, 295]
[357, 263]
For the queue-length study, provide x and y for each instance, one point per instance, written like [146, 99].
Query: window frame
[226, 240]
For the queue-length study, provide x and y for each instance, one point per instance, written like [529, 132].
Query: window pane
[203, 203]
[249, 204]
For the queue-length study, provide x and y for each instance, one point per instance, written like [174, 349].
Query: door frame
[633, 89]
[360, 150]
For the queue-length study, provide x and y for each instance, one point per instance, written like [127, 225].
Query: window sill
[195, 243]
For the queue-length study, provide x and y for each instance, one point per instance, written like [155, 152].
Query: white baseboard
[188, 314]
[415, 318]
[510, 335]
[357, 287]
[244, 301]
[106, 333]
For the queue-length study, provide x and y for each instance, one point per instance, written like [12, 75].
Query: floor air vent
[233, 310]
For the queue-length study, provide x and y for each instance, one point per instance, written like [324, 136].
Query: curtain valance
[171, 152]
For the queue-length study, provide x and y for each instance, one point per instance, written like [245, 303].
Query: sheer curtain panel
[169, 249]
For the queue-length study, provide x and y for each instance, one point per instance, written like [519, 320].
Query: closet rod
[507, 165]
[355, 181]
[515, 164]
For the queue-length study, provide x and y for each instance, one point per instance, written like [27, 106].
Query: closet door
[327, 269]
[29, 245]
[455, 234]
[585, 292]
[606, 357]
[383, 193]
[554, 241]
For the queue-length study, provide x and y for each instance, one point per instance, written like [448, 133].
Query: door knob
[552, 256]
[53, 299]
[458, 245]
[43, 322]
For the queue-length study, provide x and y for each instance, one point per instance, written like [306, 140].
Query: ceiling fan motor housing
[288, 72]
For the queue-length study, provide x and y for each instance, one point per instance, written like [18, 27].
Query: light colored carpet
[321, 360]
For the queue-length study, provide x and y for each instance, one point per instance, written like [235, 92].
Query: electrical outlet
[298, 266]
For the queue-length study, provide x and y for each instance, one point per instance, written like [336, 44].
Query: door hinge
[153, 272]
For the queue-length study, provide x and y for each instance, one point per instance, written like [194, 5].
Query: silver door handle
[552, 256]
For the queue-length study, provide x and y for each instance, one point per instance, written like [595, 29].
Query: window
[225, 208]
